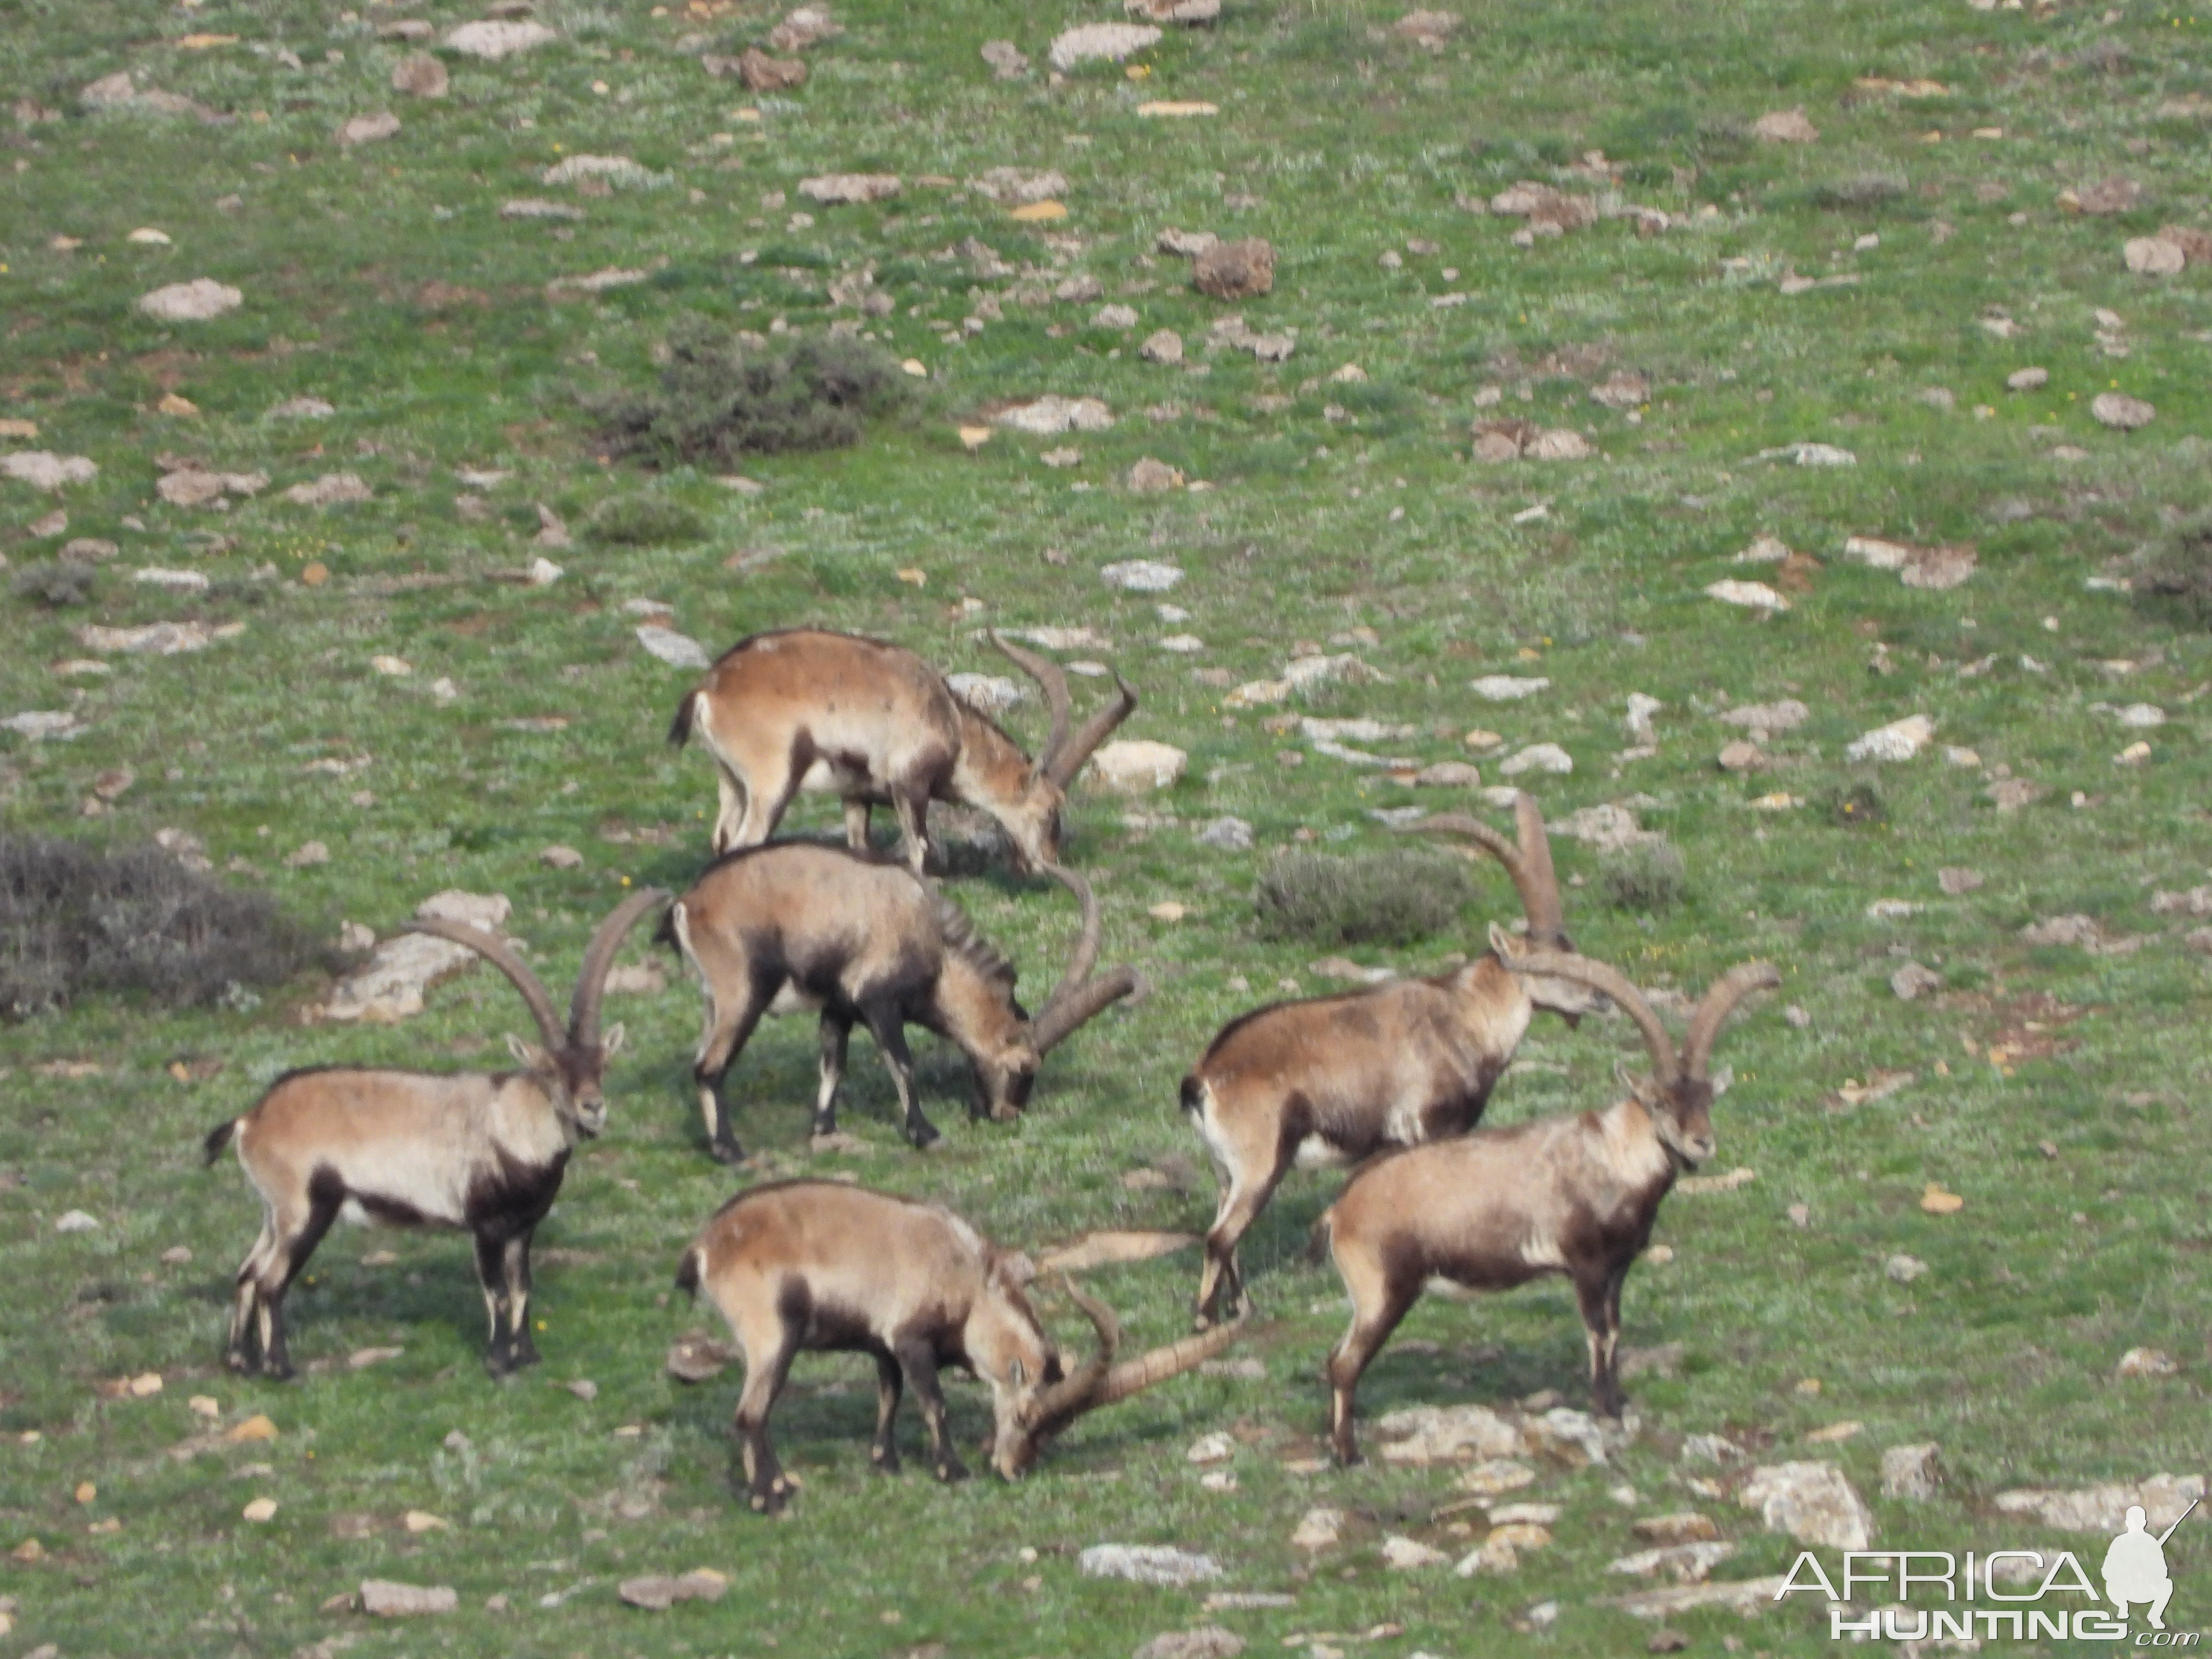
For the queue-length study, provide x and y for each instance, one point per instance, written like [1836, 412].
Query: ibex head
[1679, 1093]
[1529, 865]
[1033, 821]
[571, 1060]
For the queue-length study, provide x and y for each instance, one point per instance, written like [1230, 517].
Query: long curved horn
[1540, 897]
[1134, 1375]
[1534, 898]
[598, 957]
[1666, 1067]
[1719, 1002]
[1052, 680]
[1078, 998]
[503, 957]
[1060, 1403]
[1067, 760]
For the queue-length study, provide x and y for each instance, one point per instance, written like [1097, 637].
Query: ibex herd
[1391, 1080]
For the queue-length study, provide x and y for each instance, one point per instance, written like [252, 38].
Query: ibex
[1571, 1195]
[485, 1152]
[874, 724]
[805, 1266]
[797, 926]
[1328, 1081]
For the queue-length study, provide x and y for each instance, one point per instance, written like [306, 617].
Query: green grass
[1338, 144]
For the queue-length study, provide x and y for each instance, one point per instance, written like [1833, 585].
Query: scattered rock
[1230, 834]
[1146, 1563]
[191, 302]
[1206, 1642]
[1236, 270]
[390, 986]
[152, 639]
[1137, 766]
[307, 855]
[1787, 126]
[1912, 981]
[618, 171]
[1686, 1527]
[1184, 244]
[299, 409]
[1747, 1596]
[1752, 596]
[41, 725]
[1741, 756]
[1425, 28]
[1410, 1555]
[1901, 1268]
[1548, 211]
[1497, 1475]
[1318, 1529]
[836, 189]
[1141, 576]
[2118, 410]
[76, 1221]
[492, 41]
[2075, 930]
[1101, 43]
[421, 76]
[44, 470]
[331, 489]
[804, 26]
[1421, 1435]
[1506, 688]
[1115, 316]
[1900, 740]
[1051, 415]
[1537, 757]
[636, 979]
[1684, 1563]
[1604, 829]
[1448, 775]
[369, 129]
[699, 1358]
[1957, 880]
[380, 1598]
[1005, 59]
[1938, 568]
[1150, 476]
[1913, 1472]
[2104, 1508]
[2104, 199]
[189, 486]
[1811, 1502]
[677, 650]
[1623, 390]
[758, 71]
[2147, 1362]
[1163, 346]
[657, 1593]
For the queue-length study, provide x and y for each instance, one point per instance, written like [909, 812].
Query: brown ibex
[874, 724]
[481, 1151]
[1571, 1195]
[805, 1265]
[1327, 1081]
[800, 928]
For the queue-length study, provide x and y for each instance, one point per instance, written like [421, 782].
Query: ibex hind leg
[766, 1488]
[242, 1352]
[325, 1194]
[836, 1033]
[890, 1038]
[730, 1026]
[920, 1363]
[1378, 1303]
[890, 1384]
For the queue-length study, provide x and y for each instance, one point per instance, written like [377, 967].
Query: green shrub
[56, 582]
[719, 398]
[1380, 898]
[1648, 876]
[75, 919]
[1856, 808]
[2177, 579]
[642, 521]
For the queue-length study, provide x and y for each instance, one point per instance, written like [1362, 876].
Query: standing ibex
[800, 927]
[806, 1266]
[1331, 1080]
[1572, 1195]
[481, 1151]
[874, 724]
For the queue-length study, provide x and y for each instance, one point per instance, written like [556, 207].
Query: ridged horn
[1067, 760]
[1078, 997]
[1532, 878]
[503, 957]
[1060, 1403]
[598, 957]
[1665, 1065]
[1051, 680]
[1134, 1375]
[1718, 1002]
[1540, 899]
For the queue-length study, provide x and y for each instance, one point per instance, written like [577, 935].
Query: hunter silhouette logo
[2134, 1566]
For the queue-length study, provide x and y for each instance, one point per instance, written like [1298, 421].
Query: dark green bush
[1858, 807]
[1396, 897]
[642, 521]
[1647, 877]
[56, 582]
[2177, 579]
[719, 398]
[76, 918]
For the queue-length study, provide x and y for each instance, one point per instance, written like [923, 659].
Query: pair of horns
[1529, 864]
[1064, 755]
[1100, 1381]
[582, 1030]
[1078, 997]
[1719, 1001]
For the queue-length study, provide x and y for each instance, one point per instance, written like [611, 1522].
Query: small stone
[493, 41]
[1742, 756]
[421, 76]
[1163, 346]
[195, 301]
[1231, 835]
[677, 650]
[2152, 256]
[1912, 981]
[1752, 596]
[1147, 1563]
[1912, 1472]
[1410, 1555]
[1811, 1502]
[331, 489]
[1904, 1269]
[1206, 1642]
[1115, 316]
[2028, 380]
[261, 1509]
[1215, 1447]
[307, 855]
[76, 1221]
[1141, 576]
[1005, 59]
[837, 189]
[1685, 1526]
[657, 1593]
[1150, 476]
[2120, 411]
[1136, 767]
[382, 1599]
[1538, 757]
[2147, 1362]
[1900, 740]
[1785, 127]
[1236, 270]
[1092, 43]
[1448, 775]
[369, 129]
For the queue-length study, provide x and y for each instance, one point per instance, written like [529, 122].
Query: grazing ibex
[874, 724]
[1571, 1195]
[1328, 1081]
[800, 927]
[485, 1152]
[806, 1266]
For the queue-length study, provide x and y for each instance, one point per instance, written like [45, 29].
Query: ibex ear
[1502, 942]
[528, 1055]
[1016, 1268]
[1645, 1092]
[611, 1044]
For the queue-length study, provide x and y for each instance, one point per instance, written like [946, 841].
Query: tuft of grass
[642, 521]
[2177, 578]
[1859, 807]
[1395, 897]
[719, 397]
[1860, 190]
[1649, 878]
[75, 919]
[56, 582]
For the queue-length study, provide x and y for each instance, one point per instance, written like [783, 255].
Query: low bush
[75, 919]
[1648, 876]
[56, 582]
[1380, 898]
[642, 521]
[2176, 578]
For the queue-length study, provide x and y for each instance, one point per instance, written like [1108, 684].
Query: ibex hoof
[726, 1151]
